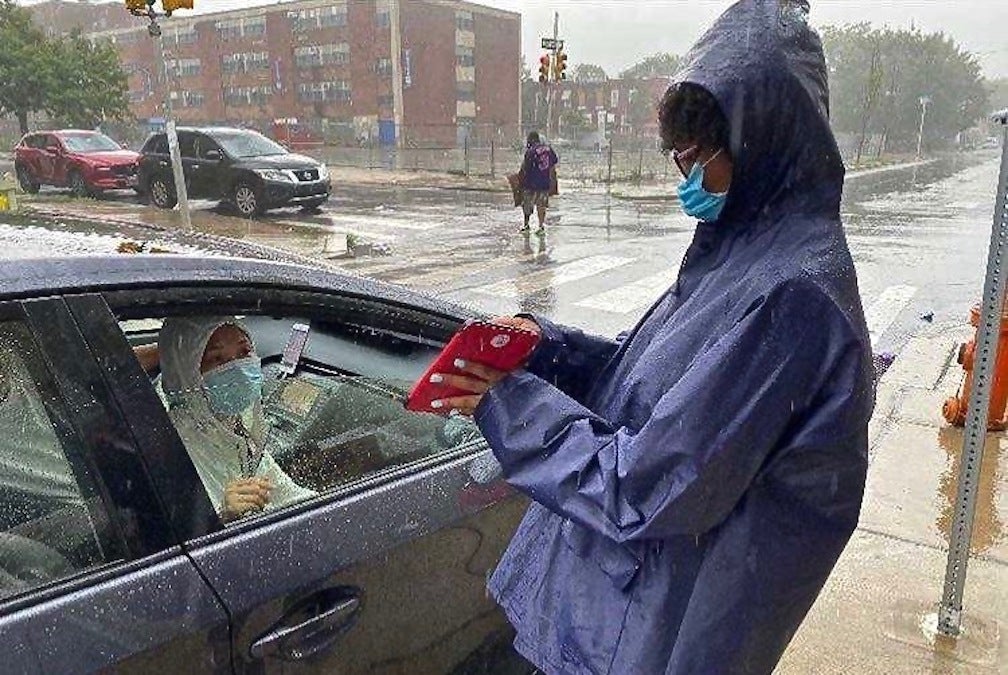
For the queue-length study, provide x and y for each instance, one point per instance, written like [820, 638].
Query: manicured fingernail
[460, 363]
[436, 377]
[437, 404]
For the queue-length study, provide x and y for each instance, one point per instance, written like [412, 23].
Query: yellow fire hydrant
[8, 193]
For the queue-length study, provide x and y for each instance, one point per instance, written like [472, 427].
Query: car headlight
[274, 174]
[323, 172]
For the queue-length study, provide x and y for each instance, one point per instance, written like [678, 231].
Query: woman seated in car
[212, 381]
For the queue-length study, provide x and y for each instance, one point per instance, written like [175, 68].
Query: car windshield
[89, 143]
[248, 144]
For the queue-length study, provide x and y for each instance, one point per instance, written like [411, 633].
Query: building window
[383, 66]
[383, 15]
[136, 96]
[125, 38]
[385, 101]
[464, 21]
[184, 67]
[338, 90]
[247, 95]
[182, 35]
[614, 98]
[187, 99]
[466, 95]
[313, 56]
[233, 29]
[245, 62]
[318, 18]
[465, 57]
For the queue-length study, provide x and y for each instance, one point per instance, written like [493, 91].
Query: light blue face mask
[234, 386]
[695, 200]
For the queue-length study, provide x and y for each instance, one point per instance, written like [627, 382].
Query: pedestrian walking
[538, 180]
[694, 481]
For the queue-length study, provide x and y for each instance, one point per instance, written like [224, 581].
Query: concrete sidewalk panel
[874, 614]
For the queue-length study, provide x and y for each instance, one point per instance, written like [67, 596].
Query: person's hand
[477, 379]
[518, 322]
[246, 495]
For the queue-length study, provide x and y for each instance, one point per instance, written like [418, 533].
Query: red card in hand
[502, 347]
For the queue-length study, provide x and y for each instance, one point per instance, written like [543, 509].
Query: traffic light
[560, 67]
[544, 68]
[171, 5]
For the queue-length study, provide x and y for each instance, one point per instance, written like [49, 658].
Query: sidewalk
[878, 610]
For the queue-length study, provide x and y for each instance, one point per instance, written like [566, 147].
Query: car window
[247, 144]
[337, 419]
[204, 144]
[89, 142]
[52, 521]
[51, 141]
[157, 144]
[186, 141]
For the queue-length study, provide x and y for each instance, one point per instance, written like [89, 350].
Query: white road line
[553, 276]
[883, 312]
[364, 220]
[633, 296]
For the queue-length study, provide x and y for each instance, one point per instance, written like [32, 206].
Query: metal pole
[493, 145]
[466, 151]
[173, 145]
[950, 610]
[609, 176]
[920, 132]
[551, 85]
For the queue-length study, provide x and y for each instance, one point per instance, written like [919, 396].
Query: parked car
[87, 162]
[238, 166]
[112, 556]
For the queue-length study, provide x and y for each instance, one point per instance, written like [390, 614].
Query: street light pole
[550, 85]
[178, 174]
[924, 101]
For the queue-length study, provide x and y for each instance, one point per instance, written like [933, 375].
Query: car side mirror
[216, 155]
[53, 149]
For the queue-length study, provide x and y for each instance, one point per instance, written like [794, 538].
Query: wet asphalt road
[918, 236]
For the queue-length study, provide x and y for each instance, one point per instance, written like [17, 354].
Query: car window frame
[51, 329]
[185, 298]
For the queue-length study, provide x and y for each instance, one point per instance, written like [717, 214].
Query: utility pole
[924, 101]
[145, 8]
[550, 85]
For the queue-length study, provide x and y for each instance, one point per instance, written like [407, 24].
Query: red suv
[87, 162]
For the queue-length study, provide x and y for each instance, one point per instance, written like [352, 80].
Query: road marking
[553, 276]
[883, 312]
[633, 296]
[363, 220]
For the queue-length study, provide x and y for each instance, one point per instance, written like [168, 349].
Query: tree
[589, 72]
[27, 65]
[661, 64]
[94, 84]
[71, 79]
[997, 92]
[878, 76]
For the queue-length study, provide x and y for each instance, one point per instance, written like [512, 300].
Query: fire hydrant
[956, 407]
[8, 193]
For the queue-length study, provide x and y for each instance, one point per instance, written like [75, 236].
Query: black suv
[239, 166]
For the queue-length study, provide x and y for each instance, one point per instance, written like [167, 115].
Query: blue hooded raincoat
[695, 480]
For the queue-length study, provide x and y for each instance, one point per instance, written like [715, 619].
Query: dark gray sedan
[112, 556]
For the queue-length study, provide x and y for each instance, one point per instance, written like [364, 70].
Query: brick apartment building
[412, 72]
[596, 110]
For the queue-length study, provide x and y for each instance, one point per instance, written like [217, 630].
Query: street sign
[550, 43]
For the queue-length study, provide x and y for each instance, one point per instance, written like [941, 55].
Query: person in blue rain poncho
[695, 480]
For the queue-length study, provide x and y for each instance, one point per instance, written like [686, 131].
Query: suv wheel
[26, 180]
[78, 186]
[246, 199]
[162, 192]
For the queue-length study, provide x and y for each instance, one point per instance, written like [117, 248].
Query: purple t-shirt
[539, 159]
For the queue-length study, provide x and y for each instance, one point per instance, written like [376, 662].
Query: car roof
[213, 130]
[27, 278]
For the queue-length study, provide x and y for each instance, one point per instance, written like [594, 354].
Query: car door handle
[305, 638]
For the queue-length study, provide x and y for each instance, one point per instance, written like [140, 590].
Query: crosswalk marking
[553, 276]
[630, 297]
[881, 314]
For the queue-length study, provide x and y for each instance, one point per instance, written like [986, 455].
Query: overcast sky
[617, 33]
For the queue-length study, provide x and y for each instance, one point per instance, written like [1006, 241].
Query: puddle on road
[917, 626]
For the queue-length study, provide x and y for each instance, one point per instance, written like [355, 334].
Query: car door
[190, 163]
[384, 570]
[92, 577]
[208, 166]
[49, 161]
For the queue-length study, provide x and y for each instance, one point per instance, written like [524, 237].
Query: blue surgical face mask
[234, 386]
[695, 200]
